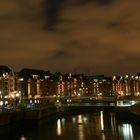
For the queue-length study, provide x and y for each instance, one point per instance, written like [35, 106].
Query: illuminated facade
[7, 81]
[127, 86]
[96, 85]
[69, 85]
[30, 83]
[8, 93]
[34, 83]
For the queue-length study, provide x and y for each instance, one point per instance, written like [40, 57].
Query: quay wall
[14, 116]
[19, 116]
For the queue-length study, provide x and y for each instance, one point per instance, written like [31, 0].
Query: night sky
[89, 36]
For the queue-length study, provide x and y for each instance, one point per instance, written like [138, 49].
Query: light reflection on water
[126, 130]
[80, 127]
[99, 125]
[59, 127]
[23, 137]
[102, 120]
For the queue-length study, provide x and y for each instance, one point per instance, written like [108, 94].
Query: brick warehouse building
[30, 83]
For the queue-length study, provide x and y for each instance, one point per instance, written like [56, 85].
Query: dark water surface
[91, 126]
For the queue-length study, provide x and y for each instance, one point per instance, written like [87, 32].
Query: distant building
[30, 83]
[97, 85]
[7, 81]
[128, 85]
[34, 82]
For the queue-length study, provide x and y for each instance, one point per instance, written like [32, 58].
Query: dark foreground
[99, 125]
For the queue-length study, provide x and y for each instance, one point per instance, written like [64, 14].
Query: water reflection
[23, 138]
[102, 125]
[74, 120]
[81, 132]
[113, 121]
[102, 120]
[80, 119]
[103, 136]
[80, 127]
[98, 125]
[126, 131]
[59, 127]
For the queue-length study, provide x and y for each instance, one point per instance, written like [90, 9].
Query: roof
[4, 69]
[27, 73]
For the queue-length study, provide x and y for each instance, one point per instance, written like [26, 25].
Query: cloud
[96, 35]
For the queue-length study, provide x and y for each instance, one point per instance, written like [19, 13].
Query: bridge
[80, 103]
[52, 106]
[98, 100]
[70, 100]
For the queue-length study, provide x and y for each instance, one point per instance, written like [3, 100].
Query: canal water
[89, 126]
